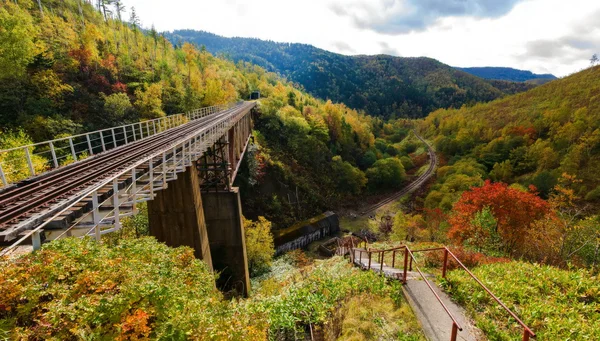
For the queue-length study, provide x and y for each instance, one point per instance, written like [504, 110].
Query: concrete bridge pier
[176, 217]
[202, 210]
[223, 216]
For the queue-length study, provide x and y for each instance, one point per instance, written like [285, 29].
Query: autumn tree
[514, 213]
[259, 245]
[349, 179]
[386, 173]
[17, 45]
[149, 102]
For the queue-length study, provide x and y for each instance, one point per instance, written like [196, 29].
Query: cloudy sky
[544, 36]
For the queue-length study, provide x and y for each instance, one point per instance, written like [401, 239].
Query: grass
[556, 304]
[372, 317]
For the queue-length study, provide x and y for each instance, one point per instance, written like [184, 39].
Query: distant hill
[508, 74]
[381, 85]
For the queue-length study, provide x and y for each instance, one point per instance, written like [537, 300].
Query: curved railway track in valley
[433, 160]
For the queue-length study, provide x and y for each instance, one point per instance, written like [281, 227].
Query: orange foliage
[515, 213]
[135, 326]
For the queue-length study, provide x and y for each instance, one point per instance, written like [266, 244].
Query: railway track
[34, 195]
[413, 185]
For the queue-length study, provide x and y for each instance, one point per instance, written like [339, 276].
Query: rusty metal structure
[407, 256]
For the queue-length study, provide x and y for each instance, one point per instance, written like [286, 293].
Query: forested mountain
[544, 137]
[381, 85]
[507, 74]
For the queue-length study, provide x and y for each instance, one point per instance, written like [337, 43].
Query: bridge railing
[527, 332]
[21, 162]
[148, 175]
[410, 261]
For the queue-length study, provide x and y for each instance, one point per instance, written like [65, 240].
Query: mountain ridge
[381, 85]
[506, 74]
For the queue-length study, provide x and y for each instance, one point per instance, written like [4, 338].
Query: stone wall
[302, 234]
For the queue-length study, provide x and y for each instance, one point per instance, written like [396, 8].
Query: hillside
[381, 85]
[72, 71]
[507, 74]
[530, 138]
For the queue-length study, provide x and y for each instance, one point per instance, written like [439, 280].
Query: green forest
[382, 85]
[514, 195]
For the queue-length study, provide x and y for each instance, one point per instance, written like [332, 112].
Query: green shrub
[556, 304]
[139, 288]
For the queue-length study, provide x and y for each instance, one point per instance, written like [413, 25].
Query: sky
[544, 36]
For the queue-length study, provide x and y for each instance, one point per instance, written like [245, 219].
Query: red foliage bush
[515, 213]
[119, 87]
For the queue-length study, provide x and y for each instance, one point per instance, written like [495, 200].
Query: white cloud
[468, 37]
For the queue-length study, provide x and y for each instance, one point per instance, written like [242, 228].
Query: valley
[177, 184]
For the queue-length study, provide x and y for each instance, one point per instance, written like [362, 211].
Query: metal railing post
[116, 204]
[36, 240]
[73, 149]
[3, 177]
[53, 152]
[525, 335]
[89, 143]
[405, 264]
[454, 332]
[125, 134]
[29, 163]
[369, 260]
[445, 265]
[381, 262]
[96, 215]
[112, 132]
[393, 258]
[102, 141]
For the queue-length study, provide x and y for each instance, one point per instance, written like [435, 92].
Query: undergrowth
[556, 304]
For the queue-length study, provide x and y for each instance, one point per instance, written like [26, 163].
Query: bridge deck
[29, 203]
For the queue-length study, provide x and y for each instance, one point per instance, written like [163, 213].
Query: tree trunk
[81, 12]
[41, 9]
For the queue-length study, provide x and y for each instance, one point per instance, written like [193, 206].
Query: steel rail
[107, 137]
[123, 157]
[89, 191]
[115, 158]
[32, 185]
[417, 183]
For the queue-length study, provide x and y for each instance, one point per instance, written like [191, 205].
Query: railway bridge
[182, 165]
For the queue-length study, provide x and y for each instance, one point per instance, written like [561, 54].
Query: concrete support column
[223, 216]
[176, 215]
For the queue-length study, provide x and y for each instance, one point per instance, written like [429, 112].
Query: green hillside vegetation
[72, 71]
[381, 85]
[557, 304]
[138, 289]
[530, 138]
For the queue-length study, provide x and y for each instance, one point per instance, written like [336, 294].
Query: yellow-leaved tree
[259, 245]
